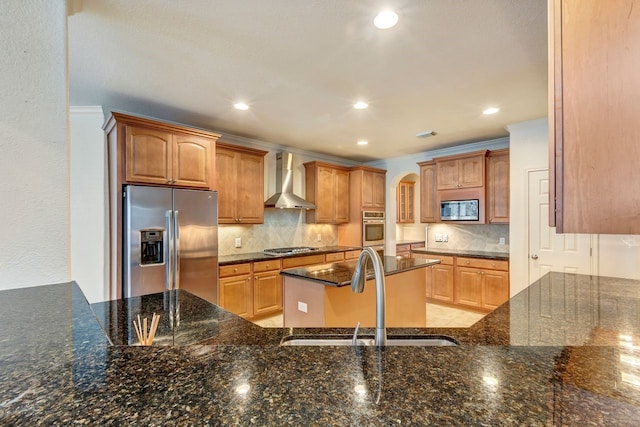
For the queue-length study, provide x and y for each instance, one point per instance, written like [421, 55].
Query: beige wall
[34, 165]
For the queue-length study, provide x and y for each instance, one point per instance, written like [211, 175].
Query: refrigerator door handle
[168, 251]
[176, 237]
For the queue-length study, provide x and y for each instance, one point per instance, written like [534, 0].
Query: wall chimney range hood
[284, 197]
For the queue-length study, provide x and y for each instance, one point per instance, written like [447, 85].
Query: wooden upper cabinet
[594, 58]
[498, 186]
[148, 155]
[428, 204]
[191, 161]
[240, 177]
[405, 210]
[327, 187]
[373, 189]
[156, 156]
[461, 171]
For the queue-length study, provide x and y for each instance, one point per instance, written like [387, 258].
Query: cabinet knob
[468, 262]
[493, 264]
[235, 270]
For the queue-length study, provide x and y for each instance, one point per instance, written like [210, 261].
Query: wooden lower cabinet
[235, 289]
[481, 283]
[440, 284]
[253, 290]
[267, 287]
[478, 283]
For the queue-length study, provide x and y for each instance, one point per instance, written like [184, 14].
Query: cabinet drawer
[302, 260]
[417, 246]
[261, 266]
[235, 270]
[335, 256]
[352, 254]
[444, 259]
[488, 264]
[403, 248]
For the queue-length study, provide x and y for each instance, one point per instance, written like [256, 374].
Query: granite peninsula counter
[561, 352]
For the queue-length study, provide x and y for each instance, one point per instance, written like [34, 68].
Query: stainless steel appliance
[373, 223]
[290, 251]
[170, 241]
[459, 210]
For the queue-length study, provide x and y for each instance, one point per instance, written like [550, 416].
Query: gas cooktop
[290, 251]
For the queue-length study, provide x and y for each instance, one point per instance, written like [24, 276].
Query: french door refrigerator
[170, 241]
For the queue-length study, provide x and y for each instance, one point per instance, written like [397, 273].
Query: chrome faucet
[357, 286]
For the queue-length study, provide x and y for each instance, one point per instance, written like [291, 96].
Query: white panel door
[549, 251]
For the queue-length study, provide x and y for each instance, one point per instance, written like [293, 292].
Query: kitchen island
[561, 352]
[321, 296]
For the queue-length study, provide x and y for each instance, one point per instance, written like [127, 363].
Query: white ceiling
[301, 64]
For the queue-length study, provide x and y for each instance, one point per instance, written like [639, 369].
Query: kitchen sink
[346, 340]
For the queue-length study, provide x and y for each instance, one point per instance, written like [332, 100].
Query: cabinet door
[379, 186]
[226, 178]
[250, 189]
[325, 197]
[235, 295]
[341, 201]
[593, 116]
[401, 199]
[442, 282]
[469, 286]
[267, 293]
[498, 188]
[148, 155]
[495, 288]
[447, 174]
[428, 204]
[191, 161]
[471, 172]
[410, 203]
[429, 281]
[373, 189]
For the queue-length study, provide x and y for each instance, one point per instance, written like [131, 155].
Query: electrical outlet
[302, 306]
[319, 237]
[502, 241]
[445, 237]
[238, 242]
[438, 237]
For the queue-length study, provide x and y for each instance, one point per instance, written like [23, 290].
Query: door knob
[534, 256]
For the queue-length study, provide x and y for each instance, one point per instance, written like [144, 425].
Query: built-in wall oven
[373, 230]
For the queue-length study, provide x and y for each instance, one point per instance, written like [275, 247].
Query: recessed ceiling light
[385, 19]
[360, 105]
[240, 106]
[490, 110]
[363, 142]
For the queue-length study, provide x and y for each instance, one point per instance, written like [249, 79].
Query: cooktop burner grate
[290, 251]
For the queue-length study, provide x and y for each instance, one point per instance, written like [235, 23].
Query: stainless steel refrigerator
[170, 241]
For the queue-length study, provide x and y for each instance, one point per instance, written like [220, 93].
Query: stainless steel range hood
[284, 197]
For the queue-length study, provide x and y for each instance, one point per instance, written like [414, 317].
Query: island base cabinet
[313, 304]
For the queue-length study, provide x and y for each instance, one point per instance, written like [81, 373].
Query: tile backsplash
[281, 228]
[481, 237]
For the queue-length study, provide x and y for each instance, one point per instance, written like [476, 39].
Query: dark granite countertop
[408, 242]
[503, 256]
[259, 256]
[340, 273]
[562, 352]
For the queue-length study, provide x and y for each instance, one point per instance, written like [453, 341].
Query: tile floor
[438, 316]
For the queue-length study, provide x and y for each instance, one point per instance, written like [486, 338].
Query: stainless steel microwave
[460, 210]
